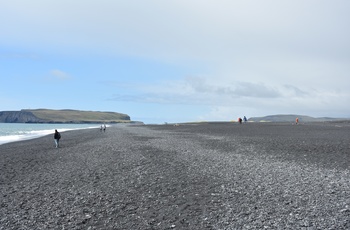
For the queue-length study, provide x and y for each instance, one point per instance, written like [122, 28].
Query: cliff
[291, 118]
[19, 117]
[61, 116]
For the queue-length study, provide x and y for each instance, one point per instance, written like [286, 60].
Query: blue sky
[176, 61]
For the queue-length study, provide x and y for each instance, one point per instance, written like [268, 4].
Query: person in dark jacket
[57, 137]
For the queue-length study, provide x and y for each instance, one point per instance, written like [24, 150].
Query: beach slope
[195, 176]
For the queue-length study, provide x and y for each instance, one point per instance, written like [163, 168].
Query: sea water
[10, 132]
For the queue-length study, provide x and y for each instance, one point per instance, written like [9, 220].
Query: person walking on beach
[244, 119]
[104, 127]
[57, 137]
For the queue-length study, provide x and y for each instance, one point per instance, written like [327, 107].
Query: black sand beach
[193, 176]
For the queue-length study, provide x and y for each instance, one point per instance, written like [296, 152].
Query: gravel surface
[192, 176]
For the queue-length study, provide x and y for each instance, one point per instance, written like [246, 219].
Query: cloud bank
[263, 57]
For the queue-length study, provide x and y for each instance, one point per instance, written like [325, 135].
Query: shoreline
[37, 133]
[342, 123]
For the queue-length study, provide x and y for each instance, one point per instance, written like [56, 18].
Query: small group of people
[240, 120]
[103, 127]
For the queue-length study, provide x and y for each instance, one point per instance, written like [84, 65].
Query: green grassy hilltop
[292, 117]
[61, 116]
[77, 116]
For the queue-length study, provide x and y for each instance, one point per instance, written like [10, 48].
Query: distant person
[57, 137]
[101, 128]
[104, 128]
[296, 120]
[240, 120]
[244, 119]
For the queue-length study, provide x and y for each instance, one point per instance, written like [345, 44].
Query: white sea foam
[20, 132]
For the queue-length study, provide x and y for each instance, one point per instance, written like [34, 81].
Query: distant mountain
[61, 116]
[292, 117]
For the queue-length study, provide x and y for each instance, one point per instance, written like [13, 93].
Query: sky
[177, 60]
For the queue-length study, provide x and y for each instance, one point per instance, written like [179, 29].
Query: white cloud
[267, 56]
[180, 29]
[227, 100]
[59, 75]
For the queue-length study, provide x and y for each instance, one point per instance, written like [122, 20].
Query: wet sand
[192, 176]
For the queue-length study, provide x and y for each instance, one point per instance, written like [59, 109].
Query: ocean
[11, 132]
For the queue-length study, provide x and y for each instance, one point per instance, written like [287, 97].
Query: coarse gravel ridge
[260, 191]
